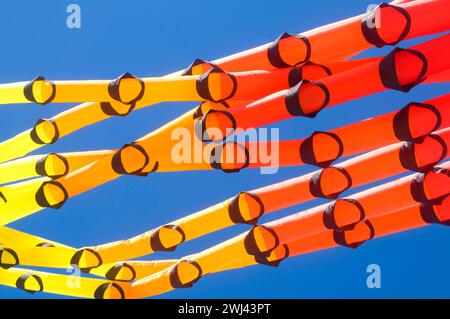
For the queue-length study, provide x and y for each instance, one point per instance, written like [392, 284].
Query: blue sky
[152, 38]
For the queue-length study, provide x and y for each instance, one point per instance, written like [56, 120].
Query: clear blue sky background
[152, 38]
